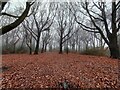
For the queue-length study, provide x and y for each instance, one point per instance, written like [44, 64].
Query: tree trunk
[30, 50]
[86, 46]
[61, 40]
[114, 51]
[113, 44]
[60, 52]
[31, 45]
[42, 48]
[37, 46]
[51, 48]
[14, 49]
[45, 49]
[113, 47]
[73, 47]
[67, 51]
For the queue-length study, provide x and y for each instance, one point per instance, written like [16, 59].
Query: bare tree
[29, 38]
[46, 18]
[65, 25]
[19, 19]
[46, 37]
[44, 24]
[11, 40]
[109, 33]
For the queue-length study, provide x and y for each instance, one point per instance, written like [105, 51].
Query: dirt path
[52, 70]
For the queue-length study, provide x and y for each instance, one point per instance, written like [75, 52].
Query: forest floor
[53, 70]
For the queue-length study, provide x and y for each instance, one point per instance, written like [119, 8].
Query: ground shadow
[3, 69]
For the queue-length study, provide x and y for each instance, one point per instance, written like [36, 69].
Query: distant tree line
[66, 26]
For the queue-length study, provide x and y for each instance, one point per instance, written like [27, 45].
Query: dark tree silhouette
[18, 21]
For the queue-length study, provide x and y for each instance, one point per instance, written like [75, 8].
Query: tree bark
[42, 48]
[37, 46]
[113, 47]
[60, 51]
[113, 43]
[61, 42]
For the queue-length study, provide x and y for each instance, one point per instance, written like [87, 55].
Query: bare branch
[118, 5]
[10, 15]
[89, 30]
[17, 22]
